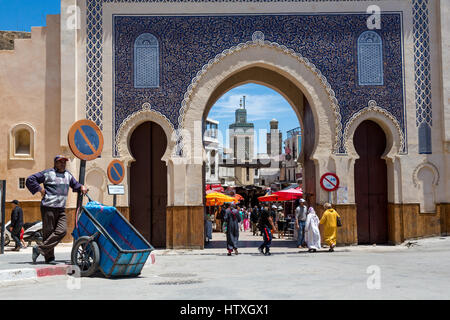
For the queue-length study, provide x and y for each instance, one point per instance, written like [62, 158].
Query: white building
[211, 142]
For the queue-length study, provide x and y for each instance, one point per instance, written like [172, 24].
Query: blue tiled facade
[422, 74]
[186, 43]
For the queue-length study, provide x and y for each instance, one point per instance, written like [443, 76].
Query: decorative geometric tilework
[370, 59]
[146, 61]
[94, 70]
[422, 69]
[329, 41]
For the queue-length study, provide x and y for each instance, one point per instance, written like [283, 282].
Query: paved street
[419, 271]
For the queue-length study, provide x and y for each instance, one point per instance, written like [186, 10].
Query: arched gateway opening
[274, 66]
[148, 182]
[273, 79]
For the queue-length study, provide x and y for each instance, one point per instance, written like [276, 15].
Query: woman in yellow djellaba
[329, 221]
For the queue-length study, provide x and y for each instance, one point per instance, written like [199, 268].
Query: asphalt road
[420, 271]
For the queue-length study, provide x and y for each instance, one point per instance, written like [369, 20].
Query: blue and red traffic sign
[116, 171]
[329, 182]
[85, 140]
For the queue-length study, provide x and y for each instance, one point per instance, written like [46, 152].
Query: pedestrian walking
[329, 220]
[241, 226]
[246, 220]
[266, 224]
[280, 222]
[232, 219]
[254, 217]
[312, 232]
[56, 181]
[300, 221]
[219, 218]
[16, 224]
[208, 224]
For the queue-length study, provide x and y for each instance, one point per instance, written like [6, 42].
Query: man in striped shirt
[54, 195]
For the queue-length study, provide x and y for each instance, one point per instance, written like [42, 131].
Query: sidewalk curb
[7, 276]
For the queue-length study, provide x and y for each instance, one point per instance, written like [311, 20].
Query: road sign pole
[114, 200]
[2, 203]
[81, 180]
[329, 197]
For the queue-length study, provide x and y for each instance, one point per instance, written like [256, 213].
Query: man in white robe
[312, 233]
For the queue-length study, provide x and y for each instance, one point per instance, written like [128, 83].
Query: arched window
[370, 59]
[22, 142]
[146, 61]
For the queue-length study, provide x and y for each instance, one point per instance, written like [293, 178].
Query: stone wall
[7, 38]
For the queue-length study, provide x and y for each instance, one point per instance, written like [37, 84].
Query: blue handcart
[104, 240]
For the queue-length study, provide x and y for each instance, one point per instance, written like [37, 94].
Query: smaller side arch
[426, 179]
[428, 165]
[132, 122]
[93, 174]
[394, 135]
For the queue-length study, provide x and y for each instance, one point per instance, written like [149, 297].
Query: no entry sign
[116, 171]
[329, 182]
[85, 140]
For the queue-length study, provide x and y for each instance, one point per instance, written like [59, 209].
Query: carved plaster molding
[258, 41]
[373, 108]
[133, 120]
[92, 166]
[425, 164]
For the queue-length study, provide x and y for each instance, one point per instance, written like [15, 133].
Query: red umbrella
[272, 197]
[290, 194]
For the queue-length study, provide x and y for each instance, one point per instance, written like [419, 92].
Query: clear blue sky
[262, 103]
[21, 15]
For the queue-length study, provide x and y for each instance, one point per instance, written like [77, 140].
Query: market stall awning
[272, 197]
[217, 199]
[290, 194]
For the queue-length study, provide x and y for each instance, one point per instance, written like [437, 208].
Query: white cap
[302, 200]
[274, 207]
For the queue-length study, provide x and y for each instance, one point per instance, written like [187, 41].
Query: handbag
[338, 222]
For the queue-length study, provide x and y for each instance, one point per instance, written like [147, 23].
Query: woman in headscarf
[329, 220]
[232, 218]
[208, 225]
[312, 233]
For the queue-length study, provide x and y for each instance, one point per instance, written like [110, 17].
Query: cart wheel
[7, 240]
[86, 255]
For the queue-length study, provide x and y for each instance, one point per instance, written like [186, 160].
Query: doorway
[148, 183]
[371, 184]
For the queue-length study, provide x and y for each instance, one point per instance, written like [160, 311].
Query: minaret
[242, 143]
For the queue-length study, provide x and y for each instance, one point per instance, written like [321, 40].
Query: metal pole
[114, 200]
[81, 180]
[2, 200]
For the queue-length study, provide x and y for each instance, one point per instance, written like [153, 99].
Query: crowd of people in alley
[267, 220]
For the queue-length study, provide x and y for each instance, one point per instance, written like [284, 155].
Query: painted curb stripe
[32, 273]
[52, 271]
